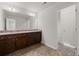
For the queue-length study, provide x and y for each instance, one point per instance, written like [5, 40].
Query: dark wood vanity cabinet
[7, 45]
[10, 43]
[2, 46]
[34, 37]
[22, 41]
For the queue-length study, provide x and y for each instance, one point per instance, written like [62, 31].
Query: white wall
[47, 21]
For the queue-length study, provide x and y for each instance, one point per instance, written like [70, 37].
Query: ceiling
[31, 6]
[37, 6]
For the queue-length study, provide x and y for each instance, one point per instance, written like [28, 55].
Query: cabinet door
[7, 45]
[21, 41]
[34, 37]
[2, 46]
[10, 46]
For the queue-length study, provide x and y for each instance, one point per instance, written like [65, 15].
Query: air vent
[44, 3]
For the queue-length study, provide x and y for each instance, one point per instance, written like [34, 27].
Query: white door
[68, 19]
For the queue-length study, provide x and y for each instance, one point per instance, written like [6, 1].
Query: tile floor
[36, 50]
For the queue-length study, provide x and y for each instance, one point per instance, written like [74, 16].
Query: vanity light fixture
[12, 9]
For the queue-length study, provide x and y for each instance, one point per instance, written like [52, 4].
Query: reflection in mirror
[10, 21]
[10, 24]
[2, 27]
[17, 21]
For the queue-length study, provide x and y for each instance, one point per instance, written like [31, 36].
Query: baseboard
[49, 46]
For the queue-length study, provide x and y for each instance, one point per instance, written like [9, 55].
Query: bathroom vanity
[11, 41]
[17, 31]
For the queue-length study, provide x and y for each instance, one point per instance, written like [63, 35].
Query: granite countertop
[19, 31]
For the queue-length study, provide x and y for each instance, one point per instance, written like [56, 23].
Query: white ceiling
[37, 6]
[32, 6]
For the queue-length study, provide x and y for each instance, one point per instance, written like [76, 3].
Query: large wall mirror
[10, 21]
